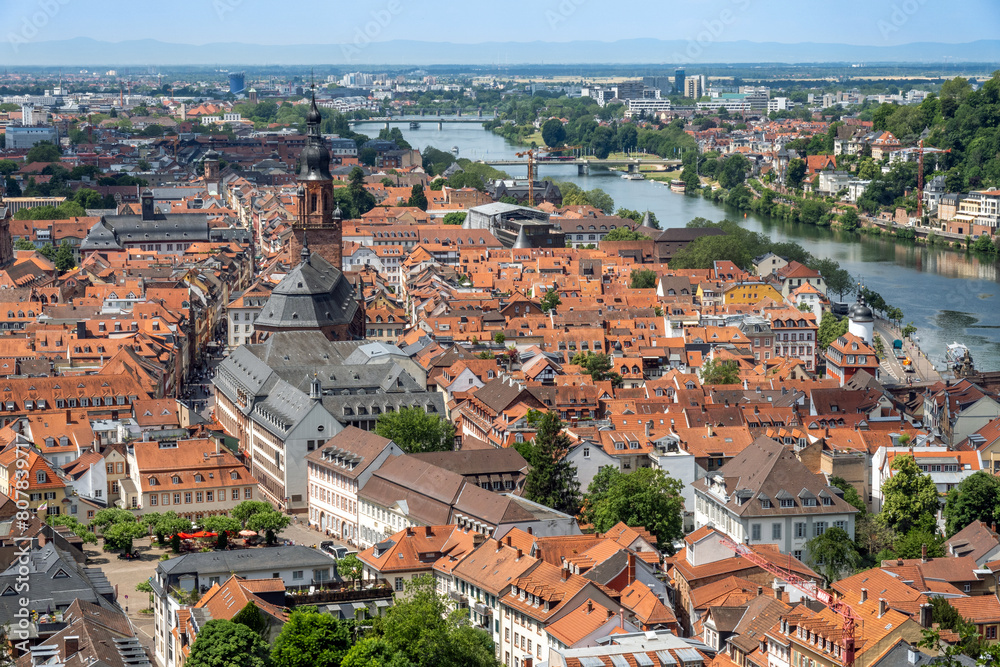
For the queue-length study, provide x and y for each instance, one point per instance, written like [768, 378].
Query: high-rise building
[28, 114]
[237, 82]
[679, 81]
[692, 88]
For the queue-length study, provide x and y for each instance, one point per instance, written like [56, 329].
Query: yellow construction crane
[531, 153]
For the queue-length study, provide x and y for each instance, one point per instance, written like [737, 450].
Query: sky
[873, 22]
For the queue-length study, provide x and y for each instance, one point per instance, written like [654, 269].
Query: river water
[947, 295]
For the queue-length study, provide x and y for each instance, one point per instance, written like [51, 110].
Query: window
[236, 494]
[819, 528]
[209, 496]
[177, 499]
[755, 532]
[247, 493]
[787, 502]
[991, 632]
[800, 530]
[398, 584]
[968, 588]
[153, 499]
[298, 574]
[166, 499]
[775, 531]
[200, 497]
[187, 497]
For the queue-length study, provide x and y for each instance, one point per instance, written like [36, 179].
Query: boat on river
[633, 177]
[414, 125]
[677, 185]
[955, 354]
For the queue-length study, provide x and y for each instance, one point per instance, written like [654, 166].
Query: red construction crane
[531, 153]
[848, 617]
[920, 180]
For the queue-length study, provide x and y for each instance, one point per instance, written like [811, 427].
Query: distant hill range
[84, 51]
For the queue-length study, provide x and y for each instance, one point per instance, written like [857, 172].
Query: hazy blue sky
[875, 22]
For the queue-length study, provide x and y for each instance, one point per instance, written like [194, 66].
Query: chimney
[531, 531]
[71, 646]
[864, 595]
[590, 605]
[760, 591]
[81, 330]
[708, 430]
[649, 427]
[519, 554]
[564, 575]
[409, 531]
[882, 607]
[508, 540]
[499, 544]
[923, 553]
[427, 531]
[41, 539]
[925, 615]
[631, 569]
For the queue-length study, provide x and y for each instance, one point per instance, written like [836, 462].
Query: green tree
[624, 234]
[269, 523]
[499, 338]
[911, 545]
[64, 257]
[71, 522]
[550, 300]
[147, 588]
[849, 220]
[553, 132]
[830, 329]
[691, 181]
[351, 567]
[704, 251]
[361, 200]
[976, 498]
[910, 499]
[220, 523]
[8, 167]
[551, 478]
[311, 639]
[248, 508]
[222, 643]
[417, 197]
[716, 371]
[168, 523]
[420, 630]
[642, 279]
[414, 430]
[112, 515]
[454, 218]
[851, 494]
[734, 170]
[833, 554]
[838, 280]
[24, 244]
[598, 366]
[119, 536]
[252, 617]
[646, 497]
[43, 151]
[795, 172]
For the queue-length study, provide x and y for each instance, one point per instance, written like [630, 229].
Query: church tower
[318, 214]
[861, 320]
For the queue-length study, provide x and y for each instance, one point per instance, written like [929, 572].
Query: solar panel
[643, 660]
[666, 659]
[619, 661]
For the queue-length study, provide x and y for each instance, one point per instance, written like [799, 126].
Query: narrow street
[923, 369]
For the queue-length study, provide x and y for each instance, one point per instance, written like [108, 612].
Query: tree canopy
[646, 497]
[222, 643]
[976, 498]
[909, 498]
[311, 639]
[551, 478]
[833, 554]
[598, 366]
[414, 430]
[624, 234]
[716, 371]
[420, 630]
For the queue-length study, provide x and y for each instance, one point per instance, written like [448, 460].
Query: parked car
[329, 548]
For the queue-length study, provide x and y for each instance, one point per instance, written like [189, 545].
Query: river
[947, 295]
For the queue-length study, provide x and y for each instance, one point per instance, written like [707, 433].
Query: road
[923, 369]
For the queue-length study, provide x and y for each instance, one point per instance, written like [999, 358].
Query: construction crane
[920, 179]
[531, 153]
[848, 617]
